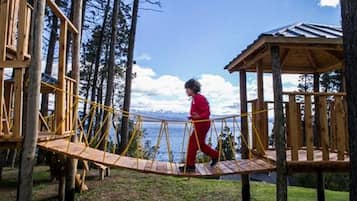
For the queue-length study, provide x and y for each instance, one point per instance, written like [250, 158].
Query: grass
[128, 185]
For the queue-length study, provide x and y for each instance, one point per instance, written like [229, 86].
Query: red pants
[201, 130]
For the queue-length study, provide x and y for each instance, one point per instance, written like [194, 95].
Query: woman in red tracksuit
[199, 112]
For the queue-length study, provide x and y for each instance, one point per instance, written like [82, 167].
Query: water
[177, 138]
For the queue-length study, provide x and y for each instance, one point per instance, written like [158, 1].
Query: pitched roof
[307, 30]
[308, 34]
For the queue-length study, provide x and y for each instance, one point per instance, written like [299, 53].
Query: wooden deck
[317, 164]
[80, 151]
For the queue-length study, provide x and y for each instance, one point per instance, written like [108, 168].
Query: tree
[24, 191]
[349, 25]
[128, 76]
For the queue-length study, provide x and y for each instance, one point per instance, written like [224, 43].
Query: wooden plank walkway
[80, 151]
[316, 164]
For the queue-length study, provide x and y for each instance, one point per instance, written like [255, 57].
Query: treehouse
[15, 59]
[315, 122]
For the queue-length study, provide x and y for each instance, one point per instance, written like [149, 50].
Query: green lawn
[129, 185]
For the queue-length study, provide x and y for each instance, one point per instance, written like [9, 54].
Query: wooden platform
[82, 152]
[304, 165]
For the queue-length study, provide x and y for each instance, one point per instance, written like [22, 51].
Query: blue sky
[198, 38]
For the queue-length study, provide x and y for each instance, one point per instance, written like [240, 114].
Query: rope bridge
[94, 141]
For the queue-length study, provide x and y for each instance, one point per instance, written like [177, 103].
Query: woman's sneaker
[214, 162]
[189, 168]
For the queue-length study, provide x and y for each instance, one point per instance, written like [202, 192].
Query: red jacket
[200, 106]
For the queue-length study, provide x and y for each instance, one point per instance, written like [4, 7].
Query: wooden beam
[314, 93]
[335, 66]
[324, 128]
[4, 9]
[57, 11]
[293, 132]
[308, 128]
[15, 64]
[279, 134]
[260, 106]
[284, 57]
[60, 95]
[340, 128]
[311, 59]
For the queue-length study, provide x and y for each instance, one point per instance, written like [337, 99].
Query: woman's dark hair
[194, 85]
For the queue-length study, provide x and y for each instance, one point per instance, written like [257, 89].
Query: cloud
[165, 93]
[143, 57]
[331, 3]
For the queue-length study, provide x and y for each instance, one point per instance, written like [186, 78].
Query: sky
[196, 39]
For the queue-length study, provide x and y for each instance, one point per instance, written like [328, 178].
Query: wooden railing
[316, 121]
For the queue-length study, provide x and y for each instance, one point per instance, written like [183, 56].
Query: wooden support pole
[76, 45]
[260, 106]
[244, 131]
[324, 135]
[308, 128]
[349, 24]
[24, 191]
[340, 128]
[60, 94]
[279, 133]
[293, 128]
[19, 73]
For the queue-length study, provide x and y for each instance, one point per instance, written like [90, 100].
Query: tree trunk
[244, 127]
[71, 166]
[349, 25]
[24, 191]
[99, 53]
[128, 76]
[320, 184]
[111, 65]
[279, 134]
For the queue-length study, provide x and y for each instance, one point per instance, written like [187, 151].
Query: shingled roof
[316, 40]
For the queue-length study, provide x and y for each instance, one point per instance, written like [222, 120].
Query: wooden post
[293, 128]
[128, 75]
[60, 95]
[279, 133]
[244, 131]
[308, 128]
[76, 45]
[324, 128]
[24, 191]
[340, 128]
[260, 105]
[349, 24]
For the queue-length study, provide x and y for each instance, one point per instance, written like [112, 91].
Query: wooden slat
[287, 125]
[308, 128]
[340, 128]
[293, 128]
[324, 127]
[60, 95]
[4, 8]
[299, 126]
[57, 11]
[18, 103]
[27, 30]
[333, 137]
[1, 98]
[253, 124]
[21, 41]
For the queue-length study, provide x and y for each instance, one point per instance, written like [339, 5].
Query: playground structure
[311, 53]
[316, 122]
